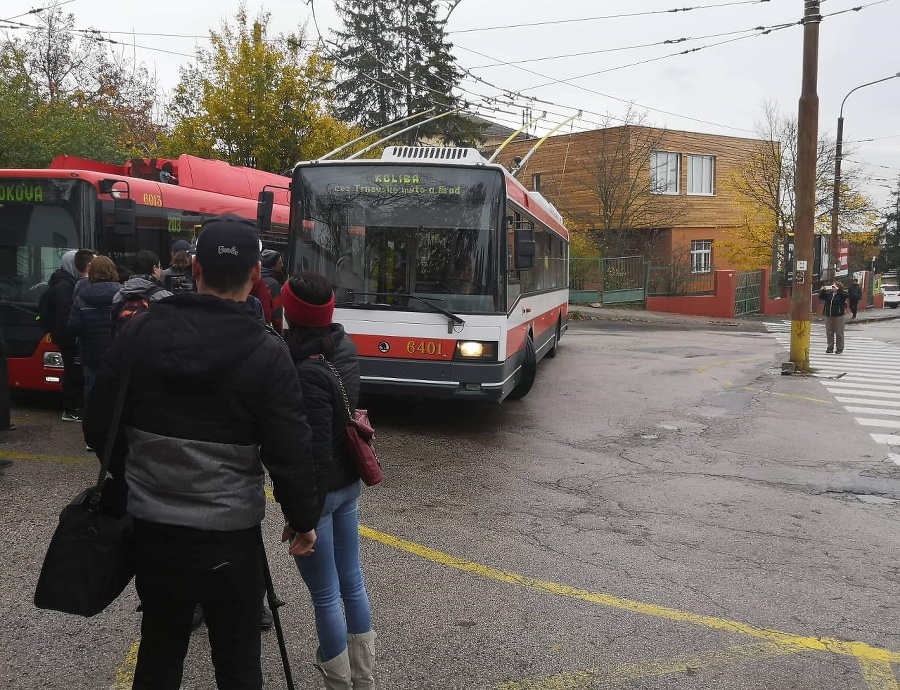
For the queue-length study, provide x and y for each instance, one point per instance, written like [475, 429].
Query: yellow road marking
[875, 662]
[125, 672]
[653, 668]
[70, 459]
[879, 674]
[876, 657]
[789, 395]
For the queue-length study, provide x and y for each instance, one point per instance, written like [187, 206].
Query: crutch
[274, 604]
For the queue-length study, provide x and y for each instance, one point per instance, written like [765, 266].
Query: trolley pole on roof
[805, 189]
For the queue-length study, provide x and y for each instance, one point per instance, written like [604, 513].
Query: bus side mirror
[123, 217]
[264, 206]
[523, 239]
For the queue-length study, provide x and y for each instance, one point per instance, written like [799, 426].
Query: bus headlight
[53, 360]
[472, 349]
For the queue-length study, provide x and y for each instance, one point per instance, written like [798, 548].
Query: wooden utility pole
[805, 189]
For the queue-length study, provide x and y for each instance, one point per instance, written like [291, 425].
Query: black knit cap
[228, 240]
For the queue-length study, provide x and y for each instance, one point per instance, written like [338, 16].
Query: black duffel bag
[88, 562]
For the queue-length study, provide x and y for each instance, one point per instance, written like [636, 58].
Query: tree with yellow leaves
[255, 100]
[765, 187]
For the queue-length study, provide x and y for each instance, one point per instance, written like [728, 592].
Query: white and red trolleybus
[450, 276]
[116, 210]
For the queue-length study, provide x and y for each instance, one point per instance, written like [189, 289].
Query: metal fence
[585, 280]
[680, 280]
[747, 293]
[777, 283]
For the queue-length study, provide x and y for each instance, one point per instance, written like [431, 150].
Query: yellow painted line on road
[873, 659]
[654, 668]
[792, 396]
[125, 672]
[70, 459]
[879, 674]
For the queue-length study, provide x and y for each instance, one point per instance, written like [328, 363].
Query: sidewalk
[583, 312]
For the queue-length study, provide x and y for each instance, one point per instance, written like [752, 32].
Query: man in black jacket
[213, 397]
[54, 309]
[834, 301]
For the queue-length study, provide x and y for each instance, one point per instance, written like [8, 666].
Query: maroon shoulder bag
[360, 436]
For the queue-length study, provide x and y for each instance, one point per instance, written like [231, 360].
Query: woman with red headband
[324, 353]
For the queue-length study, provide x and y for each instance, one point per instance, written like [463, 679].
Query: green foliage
[255, 100]
[394, 60]
[64, 94]
[889, 236]
[765, 190]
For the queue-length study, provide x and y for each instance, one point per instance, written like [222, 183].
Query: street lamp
[835, 205]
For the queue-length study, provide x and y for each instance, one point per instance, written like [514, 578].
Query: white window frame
[701, 256]
[665, 161]
[704, 161]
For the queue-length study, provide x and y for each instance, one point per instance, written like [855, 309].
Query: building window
[701, 175]
[701, 256]
[665, 172]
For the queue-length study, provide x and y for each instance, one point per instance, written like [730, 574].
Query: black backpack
[132, 305]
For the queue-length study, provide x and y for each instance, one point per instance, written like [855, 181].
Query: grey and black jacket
[213, 397]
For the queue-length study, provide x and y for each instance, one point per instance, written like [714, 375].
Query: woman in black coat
[324, 354]
[89, 318]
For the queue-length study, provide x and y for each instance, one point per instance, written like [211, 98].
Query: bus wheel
[529, 368]
[551, 353]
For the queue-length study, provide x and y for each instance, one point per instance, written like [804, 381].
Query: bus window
[35, 232]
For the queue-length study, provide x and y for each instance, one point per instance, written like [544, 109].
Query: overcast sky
[719, 89]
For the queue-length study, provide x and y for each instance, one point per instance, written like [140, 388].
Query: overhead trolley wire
[608, 16]
[585, 53]
[37, 10]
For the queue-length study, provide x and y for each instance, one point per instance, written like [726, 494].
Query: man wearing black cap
[213, 397]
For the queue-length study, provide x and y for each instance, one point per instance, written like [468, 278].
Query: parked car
[891, 295]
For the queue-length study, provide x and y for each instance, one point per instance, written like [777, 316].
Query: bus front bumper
[438, 380]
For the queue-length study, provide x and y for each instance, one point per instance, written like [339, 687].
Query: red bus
[116, 210]
[450, 276]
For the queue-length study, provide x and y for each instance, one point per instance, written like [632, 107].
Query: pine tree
[396, 60]
[365, 91]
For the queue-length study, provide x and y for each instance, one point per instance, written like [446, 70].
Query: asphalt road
[664, 510]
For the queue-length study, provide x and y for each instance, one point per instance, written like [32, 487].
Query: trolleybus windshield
[384, 232]
[40, 219]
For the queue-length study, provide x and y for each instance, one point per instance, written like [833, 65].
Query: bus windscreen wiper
[440, 310]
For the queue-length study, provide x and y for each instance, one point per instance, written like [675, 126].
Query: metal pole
[805, 188]
[836, 202]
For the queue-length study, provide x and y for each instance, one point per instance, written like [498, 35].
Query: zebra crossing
[864, 378]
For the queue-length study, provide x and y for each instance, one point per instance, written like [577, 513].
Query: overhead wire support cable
[608, 16]
[374, 131]
[403, 131]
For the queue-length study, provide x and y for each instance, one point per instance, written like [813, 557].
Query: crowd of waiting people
[219, 387]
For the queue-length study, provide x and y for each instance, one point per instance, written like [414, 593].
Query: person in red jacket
[261, 292]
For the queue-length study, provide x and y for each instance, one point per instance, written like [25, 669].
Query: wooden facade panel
[569, 173]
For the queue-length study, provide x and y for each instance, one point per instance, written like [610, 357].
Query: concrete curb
[589, 313]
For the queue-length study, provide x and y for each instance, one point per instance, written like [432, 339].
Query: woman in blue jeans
[327, 365]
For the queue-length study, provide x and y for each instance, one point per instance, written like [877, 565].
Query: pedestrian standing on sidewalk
[834, 303]
[854, 292]
[333, 574]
